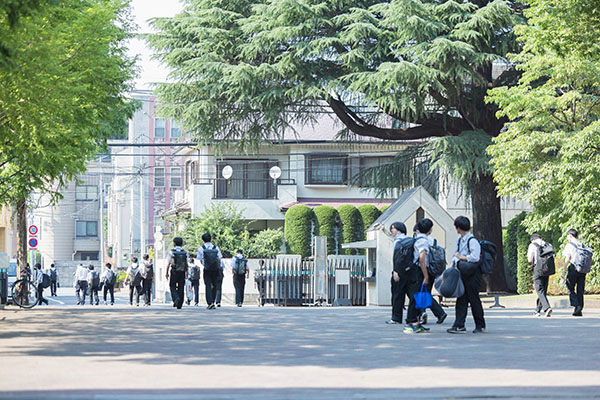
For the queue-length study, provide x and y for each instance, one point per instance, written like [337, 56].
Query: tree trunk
[21, 236]
[487, 225]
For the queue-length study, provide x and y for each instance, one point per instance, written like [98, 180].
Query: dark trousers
[40, 295]
[196, 286]
[53, 288]
[239, 283]
[211, 279]
[138, 292]
[219, 288]
[109, 289]
[177, 285]
[400, 290]
[436, 309]
[541, 288]
[94, 291]
[470, 297]
[147, 290]
[576, 286]
[81, 286]
[412, 314]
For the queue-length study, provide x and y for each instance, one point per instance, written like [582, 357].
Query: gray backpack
[436, 259]
[583, 258]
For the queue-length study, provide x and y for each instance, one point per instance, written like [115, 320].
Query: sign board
[320, 267]
[158, 245]
[33, 243]
[342, 276]
[33, 230]
[158, 236]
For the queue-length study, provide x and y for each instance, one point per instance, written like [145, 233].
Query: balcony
[255, 189]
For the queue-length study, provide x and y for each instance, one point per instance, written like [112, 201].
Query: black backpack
[211, 258]
[179, 260]
[545, 264]
[404, 256]
[241, 266]
[112, 279]
[53, 275]
[45, 280]
[436, 259]
[583, 258]
[148, 271]
[487, 258]
[95, 280]
[194, 273]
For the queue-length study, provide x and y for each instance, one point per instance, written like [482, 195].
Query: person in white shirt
[109, 279]
[134, 280]
[39, 278]
[540, 282]
[178, 261]
[212, 269]
[575, 280]
[53, 280]
[466, 257]
[81, 283]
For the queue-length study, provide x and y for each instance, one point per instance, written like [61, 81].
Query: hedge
[510, 244]
[329, 225]
[524, 273]
[369, 214]
[383, 209]
[299, 222]
[352, 226]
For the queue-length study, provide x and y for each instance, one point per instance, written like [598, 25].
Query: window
[159, 128]
[175, 129]
[86, 192]
[326, 169]
[89, 256]
[175, 176]
[86, 229]
[159, 177]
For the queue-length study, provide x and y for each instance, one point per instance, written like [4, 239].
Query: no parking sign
[32, 242]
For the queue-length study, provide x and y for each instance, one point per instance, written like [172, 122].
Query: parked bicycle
[24, 291]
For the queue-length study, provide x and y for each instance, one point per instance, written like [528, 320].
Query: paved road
[123, 352]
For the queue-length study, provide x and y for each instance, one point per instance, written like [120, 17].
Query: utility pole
[101, 221]
[142, 233]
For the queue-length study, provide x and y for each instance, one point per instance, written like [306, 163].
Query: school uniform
[93, 289]
[399, 289]
[422, 243]
[436, 309]
[147, 271]
[469, 246]
[211, 278]
[195, 283]
[239, 280]
[575, 280]
[132, 271]
[177, 279]
[39, 278]
[540, 282]
[108, 286]
[81, 284]
[53, 282]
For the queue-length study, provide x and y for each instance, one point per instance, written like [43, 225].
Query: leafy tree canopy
[548, 154]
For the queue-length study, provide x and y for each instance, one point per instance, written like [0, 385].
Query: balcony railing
[258, 189]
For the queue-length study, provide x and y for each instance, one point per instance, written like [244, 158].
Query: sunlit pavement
[65, 351]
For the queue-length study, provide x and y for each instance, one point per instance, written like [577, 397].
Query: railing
[290, 282]
[257, 189]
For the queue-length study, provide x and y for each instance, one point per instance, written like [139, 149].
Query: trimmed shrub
[510, 245]
[264, 244]
[299, 224]
[329, 225]
[524, 273]
[352, 226]
[382, 209]
[369, 214]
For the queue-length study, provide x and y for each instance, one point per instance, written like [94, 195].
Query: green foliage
[511, 248]
[264, 244]
[524, 273]
[548, 154]
[64, 94]
[299, 224]
[369, 214]
[352, 226]
[384, 208]
[330, 226]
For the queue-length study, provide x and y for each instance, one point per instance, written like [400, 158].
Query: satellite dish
[227, 171]
[275, 172]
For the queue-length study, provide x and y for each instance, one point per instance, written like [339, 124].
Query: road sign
[158, 245]
[32, 242]
[158, 235]
[33, 230]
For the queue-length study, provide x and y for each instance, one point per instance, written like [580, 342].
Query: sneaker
[105, 303]
[218, 304]
[392, 322]
[441, 319]
[479, 330]
[424, 318]
[78, 303]
[455, 329]
[548, 312]
[211, 307]
[411, 329]
[536, 313]
[425, 329]
[239, 304]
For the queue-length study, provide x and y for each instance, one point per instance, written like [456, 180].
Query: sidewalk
[159, 352]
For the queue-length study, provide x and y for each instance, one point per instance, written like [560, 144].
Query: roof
[392, 209]
[335, 202]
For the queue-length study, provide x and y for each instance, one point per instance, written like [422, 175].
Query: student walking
[194, 274]
[93, 285]
[177, 270]
[53, 280]
[578, 260]
[109, 279]
[39, 279]
[147, 271]
[134, 280]
[403, 271]
[81, 283]
[540, 256]
[467, 258]
[240, 272]
[210, 256]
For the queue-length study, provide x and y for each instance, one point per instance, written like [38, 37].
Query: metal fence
[289, 282]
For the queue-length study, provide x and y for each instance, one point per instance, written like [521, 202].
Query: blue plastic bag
[423, 299]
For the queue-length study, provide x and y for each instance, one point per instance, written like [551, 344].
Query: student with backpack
[540, 256]
[43, 281]
[81, 283]
[210, 256]
[403, 271]
[53, 280]
[93, 284]
[134, 280]
[240, 272]
[177, 269]
[147, 271]
[194, 274]
[468, 260]
[109, 279]
[578, 260]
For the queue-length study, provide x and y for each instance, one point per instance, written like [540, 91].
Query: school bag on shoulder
[436, 259]
[583, 258]
[545, 264]
[45, 280]
[95, 280]
[148, 271]
[53, 275]
[194, 273]
[136, 277]
[403, 256]
[241, 266]
[487, 258]
[179, 260]
[211, 258]
[112, 279]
